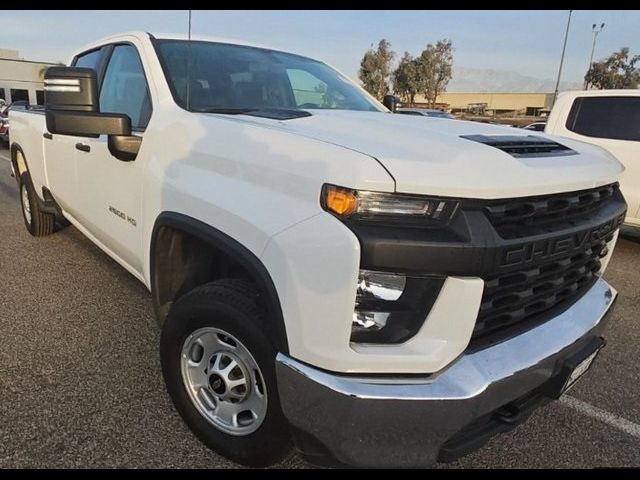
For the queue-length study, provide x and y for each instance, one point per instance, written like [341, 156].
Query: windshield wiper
[266, 112]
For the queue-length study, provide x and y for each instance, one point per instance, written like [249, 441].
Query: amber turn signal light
[341, 201]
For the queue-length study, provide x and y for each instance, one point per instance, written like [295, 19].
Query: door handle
[47, 135]
[83, 147]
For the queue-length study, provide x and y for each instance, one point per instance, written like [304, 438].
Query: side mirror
[71, 88]
[391, 102]
[87, 124]
[72, 107]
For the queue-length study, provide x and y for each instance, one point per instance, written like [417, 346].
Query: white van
[610, 119]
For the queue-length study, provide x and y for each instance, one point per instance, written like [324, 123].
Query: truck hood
[429, 156]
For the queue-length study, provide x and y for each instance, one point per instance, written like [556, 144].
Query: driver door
[111, 189]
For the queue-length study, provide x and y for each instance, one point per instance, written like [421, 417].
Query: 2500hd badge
[122, 215]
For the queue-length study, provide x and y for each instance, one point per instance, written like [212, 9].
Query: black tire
[230, 305]
[40, 224]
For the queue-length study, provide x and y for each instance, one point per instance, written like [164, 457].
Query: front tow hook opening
[509, 414]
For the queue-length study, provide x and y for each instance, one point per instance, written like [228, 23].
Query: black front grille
[522, 217]
[535, 293]
[522, 145]
[536, 255]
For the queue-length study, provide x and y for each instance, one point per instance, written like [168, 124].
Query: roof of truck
[175, 36]
[603, 93]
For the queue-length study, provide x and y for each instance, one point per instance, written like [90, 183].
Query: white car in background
[611, 120]
[536, 126]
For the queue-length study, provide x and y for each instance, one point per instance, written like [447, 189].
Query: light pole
[564, 47]
[595, 31]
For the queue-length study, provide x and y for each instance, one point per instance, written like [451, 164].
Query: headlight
[414, 210]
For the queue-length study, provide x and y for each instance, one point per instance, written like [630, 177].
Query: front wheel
[219, 368]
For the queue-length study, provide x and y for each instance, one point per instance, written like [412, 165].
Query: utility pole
[595, 31]
[564, 47]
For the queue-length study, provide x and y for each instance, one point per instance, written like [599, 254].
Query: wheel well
[186, 253]
[19, 160]
[184, 262]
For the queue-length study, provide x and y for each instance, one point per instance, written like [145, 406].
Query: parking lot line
[5, 157]
[609, 418]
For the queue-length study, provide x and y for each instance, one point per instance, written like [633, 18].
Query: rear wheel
[219, 367]
[37, 222]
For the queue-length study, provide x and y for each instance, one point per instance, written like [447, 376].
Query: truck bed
[27, 128]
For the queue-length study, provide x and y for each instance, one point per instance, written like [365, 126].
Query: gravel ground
[81, 386]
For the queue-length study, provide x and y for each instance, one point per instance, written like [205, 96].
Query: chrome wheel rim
[223, 381]
[26, 208]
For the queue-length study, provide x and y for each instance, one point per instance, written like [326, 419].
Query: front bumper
[405, 421]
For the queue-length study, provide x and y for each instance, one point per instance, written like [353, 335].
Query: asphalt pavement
[80, 381]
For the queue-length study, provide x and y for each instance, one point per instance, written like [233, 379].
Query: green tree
[375, 69]
[617, 71]
[406, 79]
[435, 69]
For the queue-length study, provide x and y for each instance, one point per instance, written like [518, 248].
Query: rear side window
[89, 60]
[92, 59]
[616, 118]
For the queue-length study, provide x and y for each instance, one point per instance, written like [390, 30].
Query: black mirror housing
[391, 102]
[71, 104]
[87, 124]
[71, 88]
[124, 147]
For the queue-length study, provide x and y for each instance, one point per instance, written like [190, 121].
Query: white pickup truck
[376, 291]
[611, 120]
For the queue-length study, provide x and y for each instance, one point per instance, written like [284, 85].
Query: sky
[526, 42]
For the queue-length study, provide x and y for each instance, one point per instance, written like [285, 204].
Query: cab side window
[616, 118]
[124, 87]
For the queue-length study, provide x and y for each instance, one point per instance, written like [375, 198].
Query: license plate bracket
[573, 368]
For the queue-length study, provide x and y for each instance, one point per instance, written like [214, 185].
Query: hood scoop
[522, 146]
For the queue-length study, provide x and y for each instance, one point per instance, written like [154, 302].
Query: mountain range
[489, 80]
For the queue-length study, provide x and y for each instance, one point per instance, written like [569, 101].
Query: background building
[21, 79]
[531, 104]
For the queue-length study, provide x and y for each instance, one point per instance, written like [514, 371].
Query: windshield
[228, 78]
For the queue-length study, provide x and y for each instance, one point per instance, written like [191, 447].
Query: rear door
[612, 122]
[60, 150]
